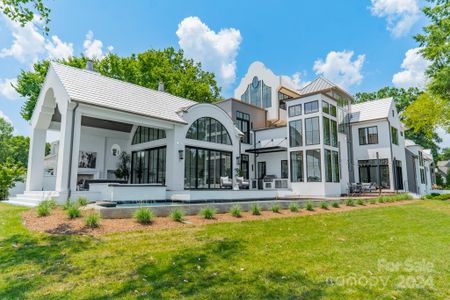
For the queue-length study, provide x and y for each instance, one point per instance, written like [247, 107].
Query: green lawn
[328, 256]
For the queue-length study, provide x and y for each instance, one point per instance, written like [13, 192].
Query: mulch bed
[58, 222]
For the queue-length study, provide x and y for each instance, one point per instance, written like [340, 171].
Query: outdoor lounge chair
[368, 187]
[225, 182]
[242, 183]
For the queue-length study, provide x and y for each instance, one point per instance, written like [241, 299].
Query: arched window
[147, 134]
[258, 93]
[209, 130]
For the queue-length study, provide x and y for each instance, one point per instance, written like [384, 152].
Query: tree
[24, 11]
[9, 175]
[404, 98]
[445, 154]
[181, 76]
[13, 149]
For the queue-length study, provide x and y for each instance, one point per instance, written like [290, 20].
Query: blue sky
[361, 45]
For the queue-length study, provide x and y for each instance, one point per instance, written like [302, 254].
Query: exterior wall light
[180, 154]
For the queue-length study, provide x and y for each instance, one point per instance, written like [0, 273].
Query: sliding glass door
[204, 167]
[149, 166]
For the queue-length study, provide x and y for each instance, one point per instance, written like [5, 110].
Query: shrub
[360, 202]
[335, 204]
[373, 201]
[73, 212]
[92, 220]
[350, 202]
[309, 206]
[324, 205]
[442, 197]
[275, 208]
[43, 209]
[144, 215]
[68, 204]
[208, 212]
[83, 201]
[256, 209]
[294, 207]
[235, 211]
[177, 214]
[51, 203]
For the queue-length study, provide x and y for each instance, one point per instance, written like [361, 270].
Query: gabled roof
[318, 84]
[92, 88]
[371, 110]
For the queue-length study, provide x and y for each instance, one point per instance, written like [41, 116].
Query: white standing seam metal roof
[319, 84]
[92, 88]
[371, 110]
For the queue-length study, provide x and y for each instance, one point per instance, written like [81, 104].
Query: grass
[308, 257]
[309, 206]
[335, 204]
[275, 208]
[235, 211]
[208, 212]
[82, 201]
[92, 220]
[324, 205]
[294, 207]
[73, 212]
[177, 215]
[144, 215]
[350, 202]
[255, 209]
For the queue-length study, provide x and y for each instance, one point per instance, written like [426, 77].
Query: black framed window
[243, 124]
[209, 130]
[245, 166]
[368, 135]
[312, 131]
[147, 134]
[204, 167]
[295, 110]
[313, 166]
[331, 166]
[284, 169]
[149, 166]
[295, 133]
[296, 158]
[394, 135]
[261, 169]
[311, 107]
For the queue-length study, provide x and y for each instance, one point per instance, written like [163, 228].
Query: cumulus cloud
[340, 68]
[5, 117]
[414, 67]
[215, 51]
[400, 14]
[7, 90]
[93, 48]
[58, 49]
[294, 81]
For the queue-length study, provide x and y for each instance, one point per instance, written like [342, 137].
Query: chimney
[90, 65]
[161, 86]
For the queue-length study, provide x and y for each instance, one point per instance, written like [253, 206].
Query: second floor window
[394, 135]
[243, 124]
[312, 132]
[311, 107]
[295, 110]
[368, 135]
[295, 133]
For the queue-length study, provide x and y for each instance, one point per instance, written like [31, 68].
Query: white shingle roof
[371, 110]
[92, 88]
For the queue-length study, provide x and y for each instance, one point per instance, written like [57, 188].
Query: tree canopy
[426, 136]
[13, 149]
[25, 11]
[181, 76]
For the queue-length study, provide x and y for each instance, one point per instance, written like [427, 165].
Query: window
[394, 135]
[284, 169]
[245, 166]
[147, 134]
[312, 133]
[421, 159]
[209, 130]
[325, 107]
[331, 166]
[334, 133]
[149, 166]
[295, 110]
[295, 133]
[258, 93]
[422, 176]
[296, 166]
[243, 124]
[333, 110]
[311, 107]
[368, 135]
[204, 167]
[368, 171]
[313, 173]
[326, 131]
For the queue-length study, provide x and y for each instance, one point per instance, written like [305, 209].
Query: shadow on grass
[25, 253]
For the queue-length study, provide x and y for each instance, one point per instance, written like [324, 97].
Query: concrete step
[20, 202]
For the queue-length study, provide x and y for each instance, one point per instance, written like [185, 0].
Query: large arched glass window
[258, 93]
[147, 134]
[209, 130]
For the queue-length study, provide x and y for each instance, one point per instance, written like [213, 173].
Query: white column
[174, 165]
[35, 175]
[75, 150]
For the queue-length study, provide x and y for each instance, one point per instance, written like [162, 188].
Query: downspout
[394, 179]
[71, 151]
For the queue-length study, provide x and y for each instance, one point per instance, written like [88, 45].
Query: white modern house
[269, 141]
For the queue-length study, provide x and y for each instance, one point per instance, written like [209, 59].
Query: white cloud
[340, 68]
[58, 49]
[414, 67]
[94, 48]
[28, 44]
[7, 90]
[295, 81]
[5, 117]
[215, 51]
[400, 14]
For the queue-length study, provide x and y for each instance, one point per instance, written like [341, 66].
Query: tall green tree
[181, 76]
[403, 99]
[13, 149]
[24, 11]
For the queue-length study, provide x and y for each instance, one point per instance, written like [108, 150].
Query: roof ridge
[121, 81]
